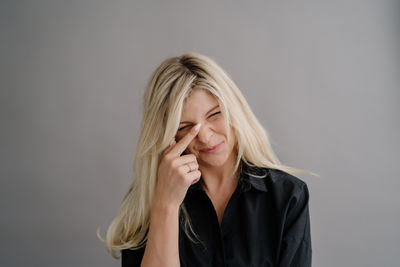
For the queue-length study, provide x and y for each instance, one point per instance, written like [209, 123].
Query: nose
[205, 134]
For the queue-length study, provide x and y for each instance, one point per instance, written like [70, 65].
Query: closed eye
[212, 115]
[215, 113]
[183, 128]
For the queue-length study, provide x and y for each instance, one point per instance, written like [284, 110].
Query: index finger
[180, 147]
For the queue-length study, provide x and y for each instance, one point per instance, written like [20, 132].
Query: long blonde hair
[168, 87]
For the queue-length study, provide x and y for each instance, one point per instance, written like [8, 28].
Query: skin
[216, 168]
[175, 176]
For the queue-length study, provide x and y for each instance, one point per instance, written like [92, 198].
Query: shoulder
[274, 181]
[287, 188]
[281, 180]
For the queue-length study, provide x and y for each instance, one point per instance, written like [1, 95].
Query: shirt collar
[250, 177]
[254, 177]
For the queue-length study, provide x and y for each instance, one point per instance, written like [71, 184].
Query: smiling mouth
[211, 149]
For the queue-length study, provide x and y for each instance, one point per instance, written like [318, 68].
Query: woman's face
[201, 106]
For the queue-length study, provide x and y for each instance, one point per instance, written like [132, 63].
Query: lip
[212, 149]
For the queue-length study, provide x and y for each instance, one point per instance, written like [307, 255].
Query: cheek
[220, 128]
[191, 147]
[221, 123]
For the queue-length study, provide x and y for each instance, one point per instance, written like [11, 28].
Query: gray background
[322, 77]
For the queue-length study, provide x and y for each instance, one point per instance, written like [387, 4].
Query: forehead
[199, 100]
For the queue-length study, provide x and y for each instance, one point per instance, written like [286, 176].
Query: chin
[215, 161]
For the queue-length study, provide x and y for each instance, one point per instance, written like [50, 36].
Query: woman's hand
[176, 173]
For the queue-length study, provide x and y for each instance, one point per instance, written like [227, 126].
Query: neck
[219, 178]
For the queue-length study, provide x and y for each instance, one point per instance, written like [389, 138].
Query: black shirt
[266, 223]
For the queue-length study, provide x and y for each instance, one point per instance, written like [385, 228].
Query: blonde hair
[168, 87]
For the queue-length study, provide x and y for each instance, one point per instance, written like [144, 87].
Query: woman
[216, 195]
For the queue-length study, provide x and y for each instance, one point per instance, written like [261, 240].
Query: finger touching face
[210, 145]
[184, 142]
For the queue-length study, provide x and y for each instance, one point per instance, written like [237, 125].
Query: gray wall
[322, 77]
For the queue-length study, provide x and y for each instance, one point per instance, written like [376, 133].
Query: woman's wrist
[164, 209]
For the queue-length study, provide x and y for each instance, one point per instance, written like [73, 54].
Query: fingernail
[197, 127]
[170, 144]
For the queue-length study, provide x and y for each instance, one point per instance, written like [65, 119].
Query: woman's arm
[296, 250]
[175, 175]
[162, 244]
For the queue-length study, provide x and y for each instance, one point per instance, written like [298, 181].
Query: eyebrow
[217, 106]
